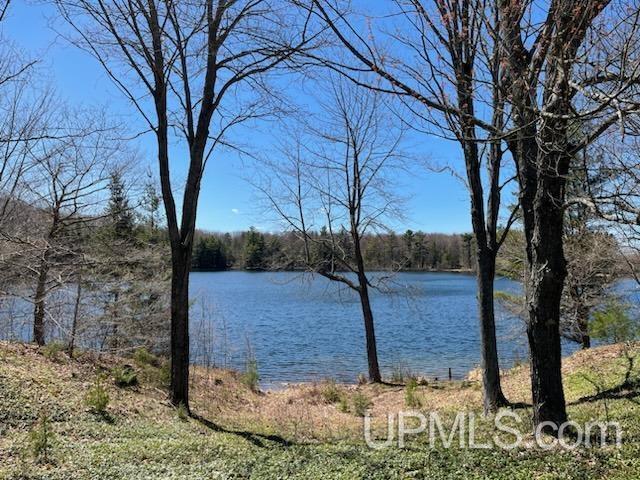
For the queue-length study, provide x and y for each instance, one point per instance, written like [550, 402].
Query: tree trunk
[583, 326]
[542, 149]
[546, 276]
[180, 327]
[76, 314]
[40, 304]
[367, 314]
[545, 354]
[484, 230]
[372, 351]
[586, 339]
[493, 396]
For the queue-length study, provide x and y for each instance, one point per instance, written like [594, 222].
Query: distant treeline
[254, 250]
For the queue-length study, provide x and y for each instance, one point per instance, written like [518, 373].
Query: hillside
[306, 431]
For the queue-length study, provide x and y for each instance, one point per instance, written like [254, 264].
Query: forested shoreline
[410, 251]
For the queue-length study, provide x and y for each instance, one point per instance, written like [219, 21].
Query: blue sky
[438, 202]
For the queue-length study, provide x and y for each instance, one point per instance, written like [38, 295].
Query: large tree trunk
[542, 149]
[40, 304]
[543, 332]
[180, 327]
[546, 275]
[493, 396]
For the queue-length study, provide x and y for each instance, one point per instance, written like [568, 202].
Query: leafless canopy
[333, 184]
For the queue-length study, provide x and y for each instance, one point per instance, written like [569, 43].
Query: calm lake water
[301, 328]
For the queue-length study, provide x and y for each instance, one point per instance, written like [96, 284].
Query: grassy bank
[306, 432]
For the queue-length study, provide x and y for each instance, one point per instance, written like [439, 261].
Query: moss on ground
[296, 433]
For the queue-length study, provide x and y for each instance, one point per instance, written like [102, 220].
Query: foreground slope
[307, 431]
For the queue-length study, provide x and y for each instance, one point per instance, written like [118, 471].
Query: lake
[303, 329]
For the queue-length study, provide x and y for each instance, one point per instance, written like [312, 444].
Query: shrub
[41, 438]
[143, 357]
[361, 404]
[97, 398]
[410, 396]
[251, 377]
[52, 350]
[343, 405]
[183, 413]
[125, 376]
[362, 379]
[164, 374]
[330, 392]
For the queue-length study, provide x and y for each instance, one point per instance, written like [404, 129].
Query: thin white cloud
[235, 211]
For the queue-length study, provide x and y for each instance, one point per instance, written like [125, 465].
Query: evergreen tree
[254, 250]
[151, 206]
[209, 254]
[119, 210]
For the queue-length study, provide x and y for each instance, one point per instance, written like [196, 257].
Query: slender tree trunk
[585, 339]
[76, 314]
[181, 251]
[484, 230]
[115, 343]
[180, 327]
[583, 325]
[493, 396]
[367, 314]
[372, 351]
[40, 303]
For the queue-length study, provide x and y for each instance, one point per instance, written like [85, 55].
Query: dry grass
[299, 412]
[144, 436]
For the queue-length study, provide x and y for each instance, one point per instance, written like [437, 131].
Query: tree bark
[367, 313]
[546, 277]
[485, 232]
[180, 327]
[372, 351]
[582, 322]
[493, 396]
[541, 200]
[543, 332]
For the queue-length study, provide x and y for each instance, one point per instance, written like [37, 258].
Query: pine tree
[254, 250]
[119, 211]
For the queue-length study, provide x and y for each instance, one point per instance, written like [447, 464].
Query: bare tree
[553, 78]
[201, 70]
[25, 109]
[332, 189]
[612, 192]
[441, 59]
[61, 193]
